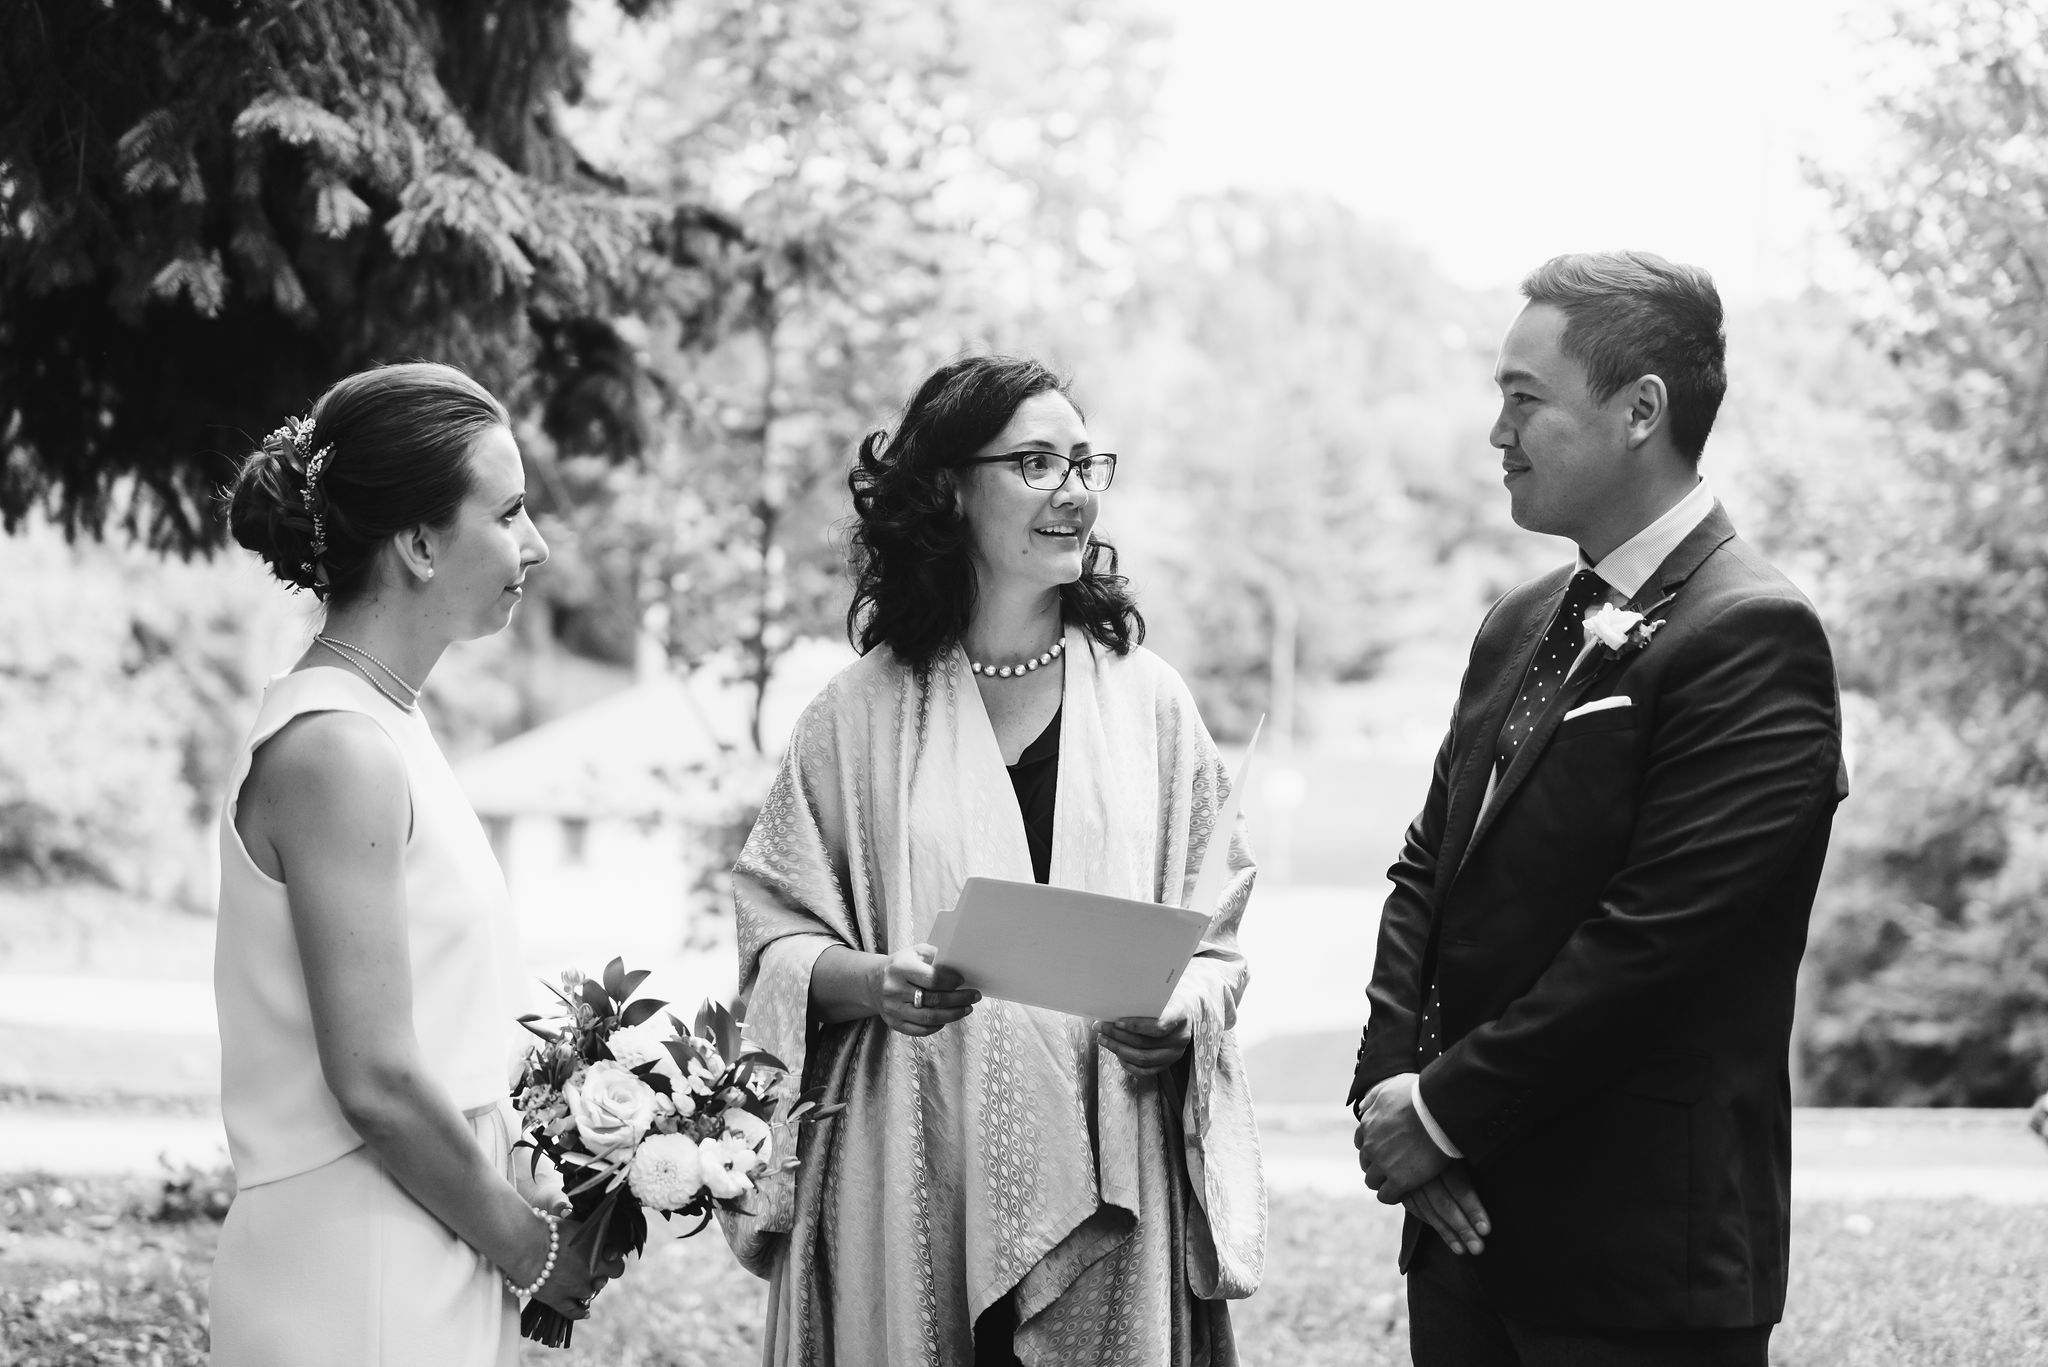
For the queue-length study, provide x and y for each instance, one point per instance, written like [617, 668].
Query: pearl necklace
[1059, 648]
[361, 658]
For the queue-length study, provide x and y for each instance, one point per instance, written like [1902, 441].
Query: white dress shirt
[1625, 569]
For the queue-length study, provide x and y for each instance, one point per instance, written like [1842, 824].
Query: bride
[365, 971]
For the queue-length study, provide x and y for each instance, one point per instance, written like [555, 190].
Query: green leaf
[615, 980]
[338, 210]
[716, 1024]
[639, 1011]
[597, 999]
[635, 978]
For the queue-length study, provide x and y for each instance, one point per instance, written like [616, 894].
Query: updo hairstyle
[397, 441]
[914, 579]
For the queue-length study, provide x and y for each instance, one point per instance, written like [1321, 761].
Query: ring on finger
[917, 997]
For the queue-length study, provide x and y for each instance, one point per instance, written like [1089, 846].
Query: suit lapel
[1475, 766]
[1656, 593]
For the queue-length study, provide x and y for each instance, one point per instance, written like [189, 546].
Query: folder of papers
[1083, 952]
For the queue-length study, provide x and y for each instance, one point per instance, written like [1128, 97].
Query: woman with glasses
[1006, 1183]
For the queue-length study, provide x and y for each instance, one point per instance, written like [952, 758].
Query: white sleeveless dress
[324, 1261]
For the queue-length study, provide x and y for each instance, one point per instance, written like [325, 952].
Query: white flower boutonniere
[1619, 631]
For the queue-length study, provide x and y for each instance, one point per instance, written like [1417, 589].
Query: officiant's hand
[914, 998]
[1150, 1045]
[1394, 1149]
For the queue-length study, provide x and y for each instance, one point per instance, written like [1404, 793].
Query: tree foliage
[906, 179]
[209, 209]
[124, 684]
[1304, 407]
[1928, 939]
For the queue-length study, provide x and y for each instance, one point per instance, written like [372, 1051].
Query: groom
[1574, 1074]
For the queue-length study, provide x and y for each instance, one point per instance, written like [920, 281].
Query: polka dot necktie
[1429, 1033]
[1554, 657]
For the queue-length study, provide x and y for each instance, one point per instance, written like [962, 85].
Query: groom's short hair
[1631, 314]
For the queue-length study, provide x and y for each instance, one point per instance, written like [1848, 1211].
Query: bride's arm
[328, 798]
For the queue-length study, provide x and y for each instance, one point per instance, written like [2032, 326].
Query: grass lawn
[115, 1272]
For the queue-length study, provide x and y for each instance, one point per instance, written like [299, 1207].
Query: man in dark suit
[1574, 1075]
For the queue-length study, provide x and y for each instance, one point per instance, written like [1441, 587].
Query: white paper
[1078, 952]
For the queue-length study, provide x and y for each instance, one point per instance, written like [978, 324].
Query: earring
[430, 571]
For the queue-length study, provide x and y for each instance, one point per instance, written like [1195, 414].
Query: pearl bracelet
[554, 1247]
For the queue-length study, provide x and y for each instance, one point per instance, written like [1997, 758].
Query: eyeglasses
[1048, 470]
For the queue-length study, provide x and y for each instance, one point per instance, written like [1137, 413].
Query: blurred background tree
[908, 180]
[1930, 947]
[701, 246]
[1299, 382]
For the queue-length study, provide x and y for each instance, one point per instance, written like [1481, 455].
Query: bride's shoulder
[327, 770]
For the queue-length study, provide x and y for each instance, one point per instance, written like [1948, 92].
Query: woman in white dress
[365, 971]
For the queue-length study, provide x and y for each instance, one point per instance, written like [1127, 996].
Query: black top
[1036, 777]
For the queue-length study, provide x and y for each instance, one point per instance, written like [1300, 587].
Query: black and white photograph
[1061, 683]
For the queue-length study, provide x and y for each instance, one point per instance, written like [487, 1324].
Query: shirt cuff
[1436, 1133]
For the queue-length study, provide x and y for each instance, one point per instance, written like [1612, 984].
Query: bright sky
[1496, 134]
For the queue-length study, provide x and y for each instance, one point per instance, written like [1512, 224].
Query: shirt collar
[1629, 566]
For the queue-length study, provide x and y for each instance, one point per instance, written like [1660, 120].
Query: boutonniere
[1619, 631]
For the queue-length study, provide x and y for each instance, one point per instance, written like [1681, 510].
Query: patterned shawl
[1008, 1152]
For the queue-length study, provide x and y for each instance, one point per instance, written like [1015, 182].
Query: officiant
[1006, 1182]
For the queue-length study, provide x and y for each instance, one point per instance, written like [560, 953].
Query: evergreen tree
[209, 209]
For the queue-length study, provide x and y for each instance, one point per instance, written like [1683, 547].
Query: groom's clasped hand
[1404, 1167]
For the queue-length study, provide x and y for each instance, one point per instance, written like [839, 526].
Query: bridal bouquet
[639, 1112]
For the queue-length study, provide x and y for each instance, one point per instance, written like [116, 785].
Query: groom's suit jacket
[1615, 929]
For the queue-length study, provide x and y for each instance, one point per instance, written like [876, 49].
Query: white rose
[646, 1042]
[612, 1108]
[667, 1172]
[751, 1130]
[729, 1165]
[1611, 625]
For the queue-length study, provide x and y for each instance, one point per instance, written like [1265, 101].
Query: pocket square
[1599, 705]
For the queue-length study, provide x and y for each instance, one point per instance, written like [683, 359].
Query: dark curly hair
[914, 581]
[398, 439]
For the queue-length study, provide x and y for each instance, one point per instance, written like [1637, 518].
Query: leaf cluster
[904, 177]
[1926, 943]
[209, 209]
